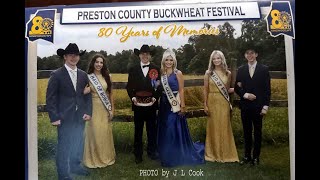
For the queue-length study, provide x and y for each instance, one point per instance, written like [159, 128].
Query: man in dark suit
[144, 78]
[68, 109]
[253, 86]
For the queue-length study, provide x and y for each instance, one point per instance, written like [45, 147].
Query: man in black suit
[144, 78]
[253, 86]
[68, 109]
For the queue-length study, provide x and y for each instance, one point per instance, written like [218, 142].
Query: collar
[68, 68]
[253, 65]
[141, 64]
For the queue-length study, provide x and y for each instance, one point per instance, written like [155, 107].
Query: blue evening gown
[175, 144]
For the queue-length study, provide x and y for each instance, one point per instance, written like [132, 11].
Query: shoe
[154, 156]
[80, 171]
[138, 160]
[245, 160]
[255, 161]
[64, 178]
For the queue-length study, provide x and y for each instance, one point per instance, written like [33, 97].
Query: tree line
[193, 57]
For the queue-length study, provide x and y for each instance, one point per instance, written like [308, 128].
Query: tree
[271, 49]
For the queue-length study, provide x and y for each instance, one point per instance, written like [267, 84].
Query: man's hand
[86, 117]
[134, 100]
[263, 112]
[153, 100]
[56, 123]
[251, 96]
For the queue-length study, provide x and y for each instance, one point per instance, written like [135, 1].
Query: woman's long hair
[104, 70]
[166, 54]
[211, 66]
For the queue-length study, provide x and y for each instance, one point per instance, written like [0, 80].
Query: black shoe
[64, 177]
[80, 171]
[138, 160]
[255, 161]
[154, 156]
[245, 160]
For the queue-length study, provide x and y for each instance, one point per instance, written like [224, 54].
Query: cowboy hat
[256, 47]
[72, 48]
[144, 49]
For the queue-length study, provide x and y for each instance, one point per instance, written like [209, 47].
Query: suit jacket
[62, 99]
[137, 82]
[258, 85]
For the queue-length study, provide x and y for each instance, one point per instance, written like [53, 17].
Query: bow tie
[145, 66]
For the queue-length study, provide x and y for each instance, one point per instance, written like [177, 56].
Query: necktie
[145, 66]
[251, 71]
[74, 78]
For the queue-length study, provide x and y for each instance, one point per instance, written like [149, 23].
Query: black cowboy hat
[256, 47]
[72, 48]
[144, 48]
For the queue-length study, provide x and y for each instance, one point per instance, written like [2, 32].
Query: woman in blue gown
[175, 144]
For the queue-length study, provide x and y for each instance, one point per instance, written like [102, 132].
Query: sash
[102, 94]
[175, 104]
[216, 79]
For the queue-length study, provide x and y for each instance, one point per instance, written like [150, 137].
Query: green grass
[274, 154]
[274, 165]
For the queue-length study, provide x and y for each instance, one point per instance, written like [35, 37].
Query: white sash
[102, 94]
[216, 79]
[174, 102]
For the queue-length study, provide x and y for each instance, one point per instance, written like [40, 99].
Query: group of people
[81, 105]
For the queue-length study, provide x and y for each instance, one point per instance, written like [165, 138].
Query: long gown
[220, 145]
[175, 145]
[98, 145]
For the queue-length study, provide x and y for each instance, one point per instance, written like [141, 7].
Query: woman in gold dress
[98, 139]
[220, 145]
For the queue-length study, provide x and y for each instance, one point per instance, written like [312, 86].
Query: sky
[86, 36]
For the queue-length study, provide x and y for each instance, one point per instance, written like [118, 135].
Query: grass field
[275, 163]
[194, 97]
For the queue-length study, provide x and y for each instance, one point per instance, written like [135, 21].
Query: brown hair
[104, 70]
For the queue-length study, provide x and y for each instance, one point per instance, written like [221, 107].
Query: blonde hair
[211, 66]
[166, 54]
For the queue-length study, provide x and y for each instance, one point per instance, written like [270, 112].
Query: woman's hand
[86, 89]
[206, 110]
[231, 90]
[111, 114]
[182, 111]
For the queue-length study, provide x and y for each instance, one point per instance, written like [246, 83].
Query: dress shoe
[138, 160]
[80, 171]
[245, 160]
[255, 161]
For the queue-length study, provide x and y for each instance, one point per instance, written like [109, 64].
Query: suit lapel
[139, 71]
[246, 71]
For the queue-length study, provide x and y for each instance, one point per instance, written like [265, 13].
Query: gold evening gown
[220, 145]
[98, 139]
